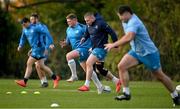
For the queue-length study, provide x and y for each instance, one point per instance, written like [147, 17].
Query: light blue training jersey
[142, 43]
[46, 38]
[33, 35]
[74, 35]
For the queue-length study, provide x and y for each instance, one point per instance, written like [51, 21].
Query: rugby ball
[178, 88]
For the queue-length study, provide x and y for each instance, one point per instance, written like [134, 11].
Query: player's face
[124, 17]
[25, 25]
[89, 20]
[71, 22]
[33, 20]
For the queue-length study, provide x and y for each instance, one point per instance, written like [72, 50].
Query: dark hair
[124, 8]
[25, 20]
[71, 16]
[35, 15]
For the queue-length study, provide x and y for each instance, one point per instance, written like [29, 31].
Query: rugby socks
[72, 66]
[25, 80]
[174, 94]
[87, 82]
[53, 76]
[96, 80]
[115, 80]
[43, 80]
[126, 90]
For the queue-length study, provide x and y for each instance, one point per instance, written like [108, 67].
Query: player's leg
[161, 76]
[100, 68]
[98, 84]
[42, 75]
[28, 72]
[89, 71]
[49, 71]
[126, 62]
[97, 54]
[152, 62]
[72, 64]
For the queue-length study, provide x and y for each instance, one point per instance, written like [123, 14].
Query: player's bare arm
[124, 40]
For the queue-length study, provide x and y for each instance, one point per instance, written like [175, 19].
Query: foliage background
[161, 17]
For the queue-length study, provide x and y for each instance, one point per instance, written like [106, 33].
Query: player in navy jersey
[74, 33]
[97, 30]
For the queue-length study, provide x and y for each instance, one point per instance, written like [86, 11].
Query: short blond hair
[71, 16]
[89, 14]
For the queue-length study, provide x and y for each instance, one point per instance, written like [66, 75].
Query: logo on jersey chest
[77, 31]
[96, 27]
[32, 31]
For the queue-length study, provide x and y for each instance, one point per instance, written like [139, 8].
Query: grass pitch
[144, 95]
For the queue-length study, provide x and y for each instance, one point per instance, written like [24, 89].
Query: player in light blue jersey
[48, 41]
[33, 34]
[142, 50]
[74, 33]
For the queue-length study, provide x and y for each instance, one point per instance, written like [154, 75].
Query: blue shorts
[151, 61]
[100, 53]
[84, 54]
[38, 53]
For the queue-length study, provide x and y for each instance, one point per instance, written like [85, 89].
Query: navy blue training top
[98, 32]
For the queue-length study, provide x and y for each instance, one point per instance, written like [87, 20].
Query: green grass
[144, 95]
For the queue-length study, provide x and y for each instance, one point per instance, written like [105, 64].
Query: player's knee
[121, 67]
[29, 64]
[160, 75]
[89, 64]
[37, 66]
[67, 56]
[100, 68]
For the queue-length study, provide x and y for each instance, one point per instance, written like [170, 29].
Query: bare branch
[43, 2]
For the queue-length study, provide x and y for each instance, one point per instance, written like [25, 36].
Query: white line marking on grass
[59, 90]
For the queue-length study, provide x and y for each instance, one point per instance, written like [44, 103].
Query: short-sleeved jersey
[74, 35]
[142, 43]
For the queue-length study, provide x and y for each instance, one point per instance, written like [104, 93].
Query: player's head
[34, 18]
[89, 18]
[124, 13]
[71, 19]
[25, 22]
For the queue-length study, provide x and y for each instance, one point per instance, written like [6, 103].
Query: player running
[34, 19]
[97, 31]
[74, 33]
[142, 51]
[35, 36]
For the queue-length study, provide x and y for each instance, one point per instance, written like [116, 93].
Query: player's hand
[82, 40]
[29, 52]
[46, 52]
[109, 46]
[51, 46]
[62, 43]
[90, 50]
[19, 48]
